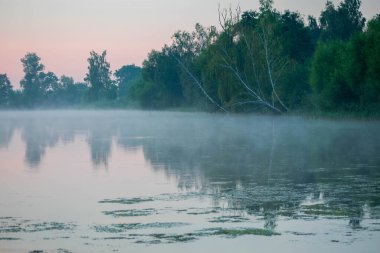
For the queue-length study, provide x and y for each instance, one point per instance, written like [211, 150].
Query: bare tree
[186, 46]
[262, 49]
[262, 53]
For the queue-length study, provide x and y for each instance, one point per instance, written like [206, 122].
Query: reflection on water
[272, 168]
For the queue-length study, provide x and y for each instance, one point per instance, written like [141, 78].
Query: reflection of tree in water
[269, 169]
[38, 134]
[260, 165]
[100, 142]
[38, 138]
[43, 132]
[7, 128]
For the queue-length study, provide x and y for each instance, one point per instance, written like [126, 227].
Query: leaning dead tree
[263, 63]
[249, 51]
[199, 84]
[186, 46]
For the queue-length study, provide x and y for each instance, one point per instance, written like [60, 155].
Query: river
[140, 181]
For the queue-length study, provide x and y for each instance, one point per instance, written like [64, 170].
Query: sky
[63, 32]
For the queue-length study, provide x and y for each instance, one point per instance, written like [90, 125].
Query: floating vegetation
[323, 210]
[148, 242]
[299, 233]
[286, 213]
[63, 251]
[225, 219]
[58, 251]
[181, 196]
[202, 212]
[16, 225]
[166, 238]
[11, 228]
[118, 228]
[47, 226]
[161, 197]
[131, 212]
[54, 238]
[234, 232]
[9, 239]
[117, 238]
[176, 238]
[126, 201]
[187, 237]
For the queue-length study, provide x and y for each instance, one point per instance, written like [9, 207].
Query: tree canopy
[5, 90]
[101, 86]
[258, 60]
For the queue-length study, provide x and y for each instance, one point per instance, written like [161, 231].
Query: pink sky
[63, 32]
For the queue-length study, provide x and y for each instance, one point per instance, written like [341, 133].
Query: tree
[161, 73]
[125, 76]
[341, 22]
[5, 90]
[258, 59]
[74, 91]
[314, 30]
[253, 57]
[33, 89]
[363, 66]
[48, 82]
[266, 6]
[373, 62]
[101, 86]
[186, 49]
[167, 78]
[345, 75]
[329, 79]
[65, 92]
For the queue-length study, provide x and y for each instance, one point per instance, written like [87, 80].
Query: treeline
[262, 60]
[270, 60]
[40, 89]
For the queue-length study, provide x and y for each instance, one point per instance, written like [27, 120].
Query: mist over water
[96, 181]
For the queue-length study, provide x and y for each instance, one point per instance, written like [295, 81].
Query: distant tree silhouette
[33, 88]
[343, 21]
[125, 76]
[5, 90]
[101, 86]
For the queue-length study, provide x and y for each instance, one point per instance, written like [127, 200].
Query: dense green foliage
[346, 75]
[5, 90]
[343, 21]
[44, 89]
[262, 60]
[268, 60]
[125, 78]
[101, 86]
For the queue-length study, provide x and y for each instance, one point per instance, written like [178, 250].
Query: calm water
[119, 181]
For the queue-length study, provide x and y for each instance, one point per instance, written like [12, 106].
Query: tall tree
[250, 53]
[31, 83]
[125, 76]
[341, 22]
[101, 86]
[48, 82]
[187, 49]
[330, 89]
[5, 90]
[373, 62]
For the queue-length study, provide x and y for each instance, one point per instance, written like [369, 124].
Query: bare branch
[199, 84]
[269, 69]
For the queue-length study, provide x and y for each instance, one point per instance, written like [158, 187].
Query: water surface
[130, 181]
